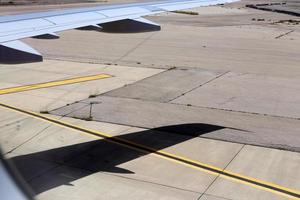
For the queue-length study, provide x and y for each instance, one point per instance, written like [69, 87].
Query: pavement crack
[35, 135]
[29, 139]
[219, 197]
[151, 182]
[284, 34]
[215, 179]
[219, 76]
[135, 47]
[238, 111]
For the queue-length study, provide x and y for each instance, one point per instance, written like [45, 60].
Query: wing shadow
[101, 155]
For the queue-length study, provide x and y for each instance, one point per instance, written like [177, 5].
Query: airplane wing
[46, 25]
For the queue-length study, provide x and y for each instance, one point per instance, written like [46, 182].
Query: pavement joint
[239, 111]
[219, 197]
[154, 183]
[284, 34]
[207, 82]
[212, 108]
[205, 192]
[29, 139]
[136, 47]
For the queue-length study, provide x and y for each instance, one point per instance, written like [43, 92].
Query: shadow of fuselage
[102, 155]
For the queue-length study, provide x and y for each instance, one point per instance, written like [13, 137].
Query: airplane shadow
[101, 155]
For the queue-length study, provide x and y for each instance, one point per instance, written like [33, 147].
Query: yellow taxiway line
[264, 185]
[53, 83]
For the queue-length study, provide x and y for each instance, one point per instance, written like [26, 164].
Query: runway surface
[207, 108]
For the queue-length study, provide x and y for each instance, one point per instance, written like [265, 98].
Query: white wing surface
[46, 25]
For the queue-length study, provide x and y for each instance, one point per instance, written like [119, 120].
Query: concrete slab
[50, 98]
[57, 145]
[4, 85]
[140, 168]
[59, 67]
[243, 127]
[33, 103]
[185, 143]
[219, 39]
[25, 77]
[239, 92]
[103, 186]
[57, 94]
[166, 86]
[279, 167]
[17, 130]
[163, 172]
[251, 49]
[8, 118]
[7, 69]
[109, 51]
[225, 50]
[110, 128]
[51, 138]
[129, 164]
[234, 190]
[212, 152]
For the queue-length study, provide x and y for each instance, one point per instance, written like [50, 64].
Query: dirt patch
[288, 22]
[186, 12]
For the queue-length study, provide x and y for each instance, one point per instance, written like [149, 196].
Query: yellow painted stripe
[264, 185]
[53, 83]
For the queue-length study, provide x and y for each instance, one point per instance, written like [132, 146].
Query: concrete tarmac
[209, 106]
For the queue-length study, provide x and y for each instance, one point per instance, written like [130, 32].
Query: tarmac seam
[284, 34]
[164, 185]
[135, 47]
[239, 111]
[289, 148]
[136, 82]
[268, 186]
[196, 106]
[207, 82]
[29, 139]
[219, 174]
[219, 197]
